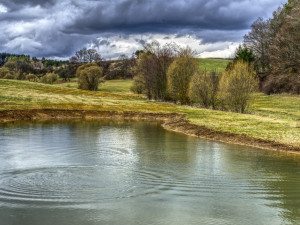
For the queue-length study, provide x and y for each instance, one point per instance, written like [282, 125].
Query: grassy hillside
[275, 118]
[211, 64]
[109, 86]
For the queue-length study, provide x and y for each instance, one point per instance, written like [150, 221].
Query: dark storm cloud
[19, 3]
[60, 27]
[168, 16]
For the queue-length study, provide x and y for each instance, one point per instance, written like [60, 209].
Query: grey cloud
[11, 3]
[169, 15]
[104, 42]
[141, 41]
[60, 27]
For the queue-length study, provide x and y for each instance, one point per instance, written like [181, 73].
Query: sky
[58, 28]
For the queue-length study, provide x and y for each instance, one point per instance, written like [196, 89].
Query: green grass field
[110, 86]
[213, 64]
[275, 118]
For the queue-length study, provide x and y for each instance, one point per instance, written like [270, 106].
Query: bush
[31, 77]
[89, 76]
[19, 68]
[283, 83]
[204, 89]
[138, 85]
[179, 75]
[4, 71]
[49, 78]
[236, 86]
[67, 72]
[9, 76]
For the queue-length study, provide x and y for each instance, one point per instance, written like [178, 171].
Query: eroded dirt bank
[174, 122]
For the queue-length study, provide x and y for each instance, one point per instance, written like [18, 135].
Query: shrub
[31, 77]
[89, 76]
[4, 71]
[204, 89]
[179, 75]
[19, 68]
[282, 83]
[9, 76]
[49, 78]
[67, 72]
[138, 85]
[236, 86]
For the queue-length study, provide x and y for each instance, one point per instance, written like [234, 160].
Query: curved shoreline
[172, 121]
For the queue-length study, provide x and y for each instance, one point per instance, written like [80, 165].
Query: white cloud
[226, 51]
[112, 46]
[3, 9]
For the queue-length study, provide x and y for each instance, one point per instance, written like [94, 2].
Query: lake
[122, 172]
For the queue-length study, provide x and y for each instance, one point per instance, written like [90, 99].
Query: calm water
[137, 173]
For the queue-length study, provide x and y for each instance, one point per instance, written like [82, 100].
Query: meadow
[213, 64]
[274, 118]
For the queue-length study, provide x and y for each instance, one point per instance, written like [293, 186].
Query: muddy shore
[173, 122]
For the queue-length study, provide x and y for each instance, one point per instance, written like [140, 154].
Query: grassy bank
[273, 118]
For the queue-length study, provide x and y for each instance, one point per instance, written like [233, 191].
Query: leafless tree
[285, 56]
[204, 88]
[92, 56]
[258, 39]
[152, 64]
[81, 55]
[86, 56]
[73, 59]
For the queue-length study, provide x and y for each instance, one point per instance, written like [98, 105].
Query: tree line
[274, 48]
[23, 67]
[171, 73]
[161, 72]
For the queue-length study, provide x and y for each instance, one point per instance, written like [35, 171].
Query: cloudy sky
[58, 28]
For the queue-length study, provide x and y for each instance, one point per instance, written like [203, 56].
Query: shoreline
[171, 121]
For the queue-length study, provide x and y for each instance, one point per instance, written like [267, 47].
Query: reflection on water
[137, 173]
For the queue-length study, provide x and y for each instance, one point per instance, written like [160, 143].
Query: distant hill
[211, 64]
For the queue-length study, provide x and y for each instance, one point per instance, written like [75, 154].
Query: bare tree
[81, 55]
[204, 88]
[152, 64]
[74, 59]
[92, 56]
[285, 56]
[258, 39]
[285, 49]
[86, 56]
